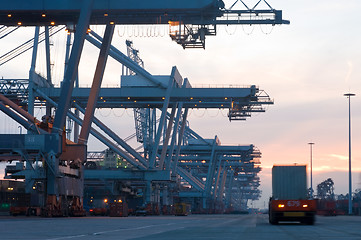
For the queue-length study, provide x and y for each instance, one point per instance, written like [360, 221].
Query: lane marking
[110, 231]
[68, 237]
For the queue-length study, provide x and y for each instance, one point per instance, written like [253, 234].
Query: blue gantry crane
[56, 163]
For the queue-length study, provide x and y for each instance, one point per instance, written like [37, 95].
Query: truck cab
[289, 201]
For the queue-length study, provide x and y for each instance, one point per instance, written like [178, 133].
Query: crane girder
[34, 13]
[189, 21]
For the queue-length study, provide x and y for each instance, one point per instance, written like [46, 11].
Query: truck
[289, 200]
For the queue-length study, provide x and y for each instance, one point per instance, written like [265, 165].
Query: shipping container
[118, 209]
[289, 182]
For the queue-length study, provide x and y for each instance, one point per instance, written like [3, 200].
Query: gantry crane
[63, 159]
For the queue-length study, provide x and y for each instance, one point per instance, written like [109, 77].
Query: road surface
[177, 228]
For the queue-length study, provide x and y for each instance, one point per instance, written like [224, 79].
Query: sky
[305, 67]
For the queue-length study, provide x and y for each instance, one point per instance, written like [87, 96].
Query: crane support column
[97, 82]
[229, 190]
[153, 156]
[216, 186]
[180, 139]
[175, 129]
[222, 184]
[47, 52]
[31, 98]
[167, 135]
[211, 171]
[48, 65]
[72, 69]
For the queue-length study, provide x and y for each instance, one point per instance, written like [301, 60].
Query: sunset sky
[306, 67]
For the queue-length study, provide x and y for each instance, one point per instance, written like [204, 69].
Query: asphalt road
[176, 228]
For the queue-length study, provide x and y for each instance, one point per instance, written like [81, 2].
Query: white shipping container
[289, 182]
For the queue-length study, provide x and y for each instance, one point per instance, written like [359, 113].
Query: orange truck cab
[292, 210]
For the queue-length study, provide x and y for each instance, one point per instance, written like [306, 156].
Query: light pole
[349, 95]
[311, 143]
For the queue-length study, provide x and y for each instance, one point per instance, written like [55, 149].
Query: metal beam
[26, 124]
[31, 98]
[166, 139]
[116, 138]
[190, 179]
[98, 135]
[47, 54]
[175, 128]
[125, 60]
[133, 12]
[180, 140]
[97, 81]
[152, 159]
[211, 169]
[72, 69]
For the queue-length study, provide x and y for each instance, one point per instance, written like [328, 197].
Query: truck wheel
[272, 220]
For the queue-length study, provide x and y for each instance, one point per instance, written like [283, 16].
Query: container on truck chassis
[289, 201]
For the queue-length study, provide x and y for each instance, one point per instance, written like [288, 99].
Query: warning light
[105, 200]
[281, 205]
[173, 23]
[304, 205]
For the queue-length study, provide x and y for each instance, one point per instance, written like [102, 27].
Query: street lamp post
[349, 95]
[311, 143]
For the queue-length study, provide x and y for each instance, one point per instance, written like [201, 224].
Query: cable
[200, 116]
[267, 33]
[101, 114]
[121, 115]
[209, 115]
[131, 115]
[221, 110]
[248, 33]
[25, 47]
[11, 30]
[119, 28]
[131, 32]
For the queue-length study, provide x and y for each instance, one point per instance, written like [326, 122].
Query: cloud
[339, 157]
[350, 68]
